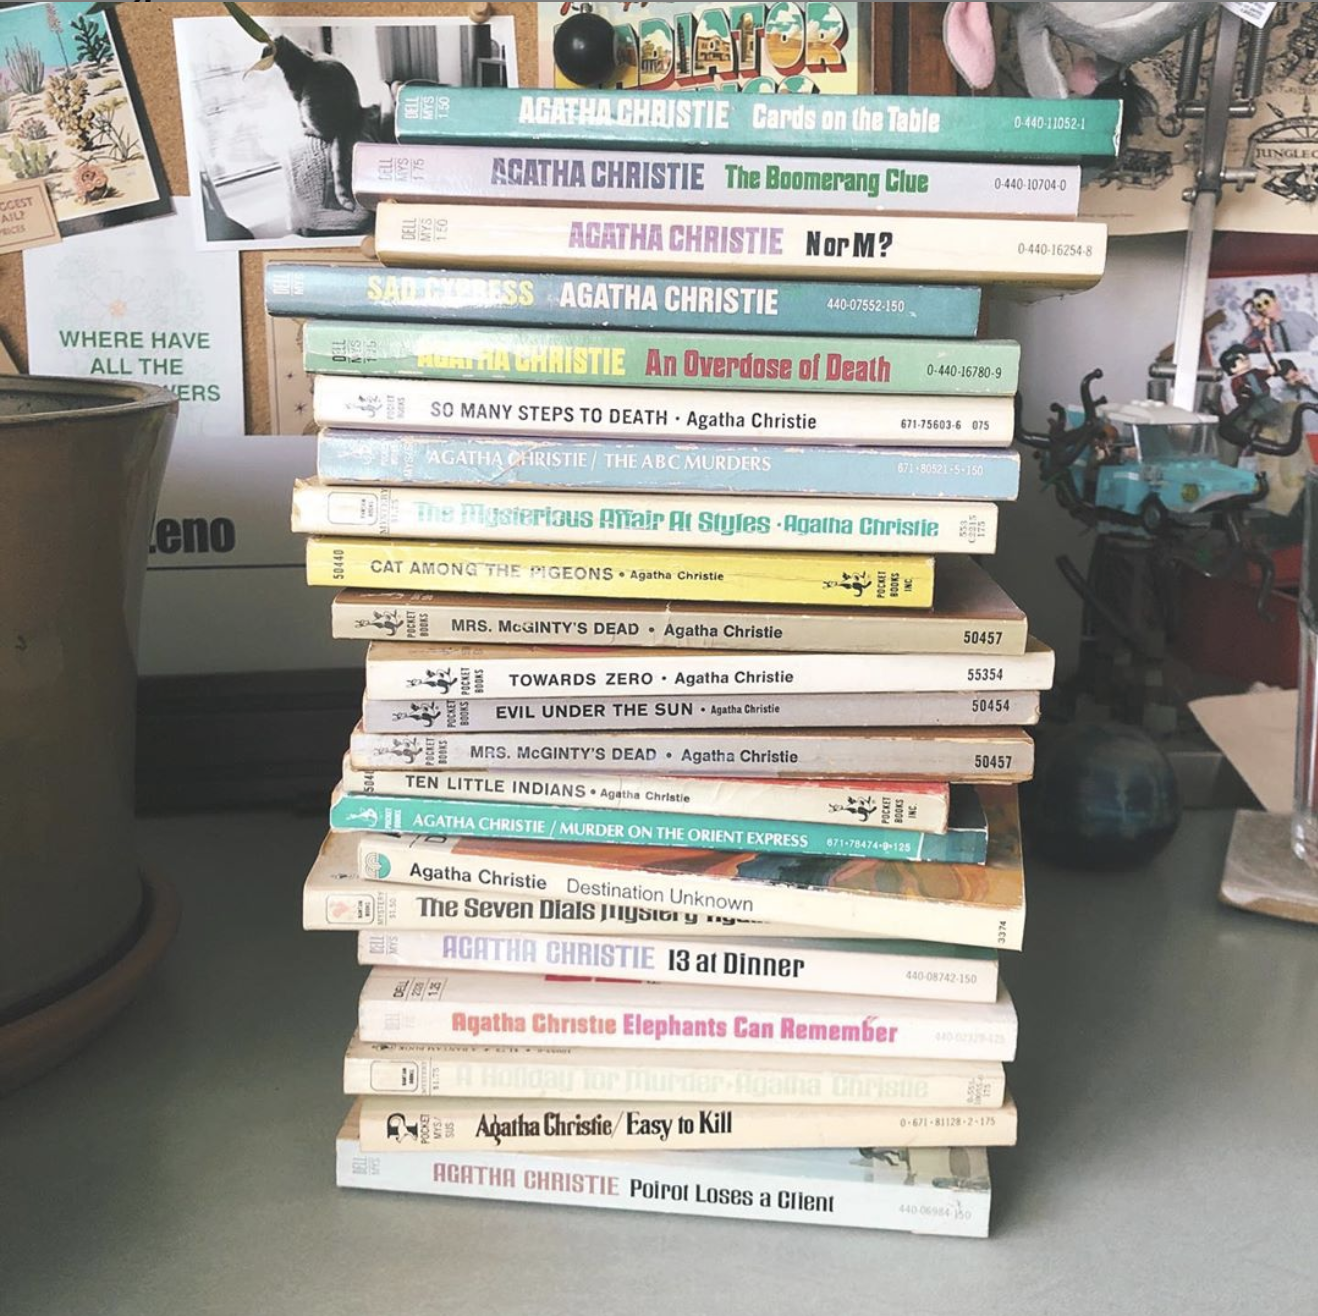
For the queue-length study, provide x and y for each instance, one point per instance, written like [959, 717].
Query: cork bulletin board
[906, 53]
[147, 31]
[265, 732]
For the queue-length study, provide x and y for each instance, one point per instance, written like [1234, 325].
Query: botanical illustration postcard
[70, 116]
[270, 120]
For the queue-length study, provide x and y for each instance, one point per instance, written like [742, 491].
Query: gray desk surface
[1167, 1077]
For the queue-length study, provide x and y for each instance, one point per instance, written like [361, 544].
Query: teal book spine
[510, 297]
[983, 127]
[618, 357]
[965, 842]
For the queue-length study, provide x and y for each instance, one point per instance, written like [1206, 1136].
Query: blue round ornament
[1104, 797]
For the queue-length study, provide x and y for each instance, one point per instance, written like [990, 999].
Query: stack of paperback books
[680, 825]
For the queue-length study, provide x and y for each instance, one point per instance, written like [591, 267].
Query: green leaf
[248, 23]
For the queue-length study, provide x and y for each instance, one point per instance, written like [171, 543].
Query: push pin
[480, 13]
[586, 49]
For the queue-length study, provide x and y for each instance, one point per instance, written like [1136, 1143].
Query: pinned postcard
[27, 219]
[806, 47]
[270, 126]
[72, 120]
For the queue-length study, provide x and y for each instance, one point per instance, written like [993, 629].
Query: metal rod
[1256, 58]
[1207, 188]
[1238, 110]
[1192, 58]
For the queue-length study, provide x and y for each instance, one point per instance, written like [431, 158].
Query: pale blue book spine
[564, 300]
[419, 816]
[481, 462]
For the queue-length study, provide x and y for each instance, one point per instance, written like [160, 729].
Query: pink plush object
[1112, 33]
[1083, 77]
[968, 39]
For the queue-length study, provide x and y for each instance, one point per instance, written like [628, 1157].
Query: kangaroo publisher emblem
[858, 582]
[436, 678]
[427, 714]
[407, 748]
[862, 806]
[368, 404]
[390, 622]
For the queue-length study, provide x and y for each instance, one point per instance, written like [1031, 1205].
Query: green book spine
[988, 127]
[419, 816]
[622, 357]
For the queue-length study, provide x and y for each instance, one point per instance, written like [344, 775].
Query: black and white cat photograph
[274, 107]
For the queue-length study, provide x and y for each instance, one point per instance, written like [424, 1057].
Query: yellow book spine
[874, 580]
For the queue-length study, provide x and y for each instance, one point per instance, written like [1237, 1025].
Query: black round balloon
[1104, 797]
[584, 49]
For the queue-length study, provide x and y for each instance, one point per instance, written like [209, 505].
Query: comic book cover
[1266, 346]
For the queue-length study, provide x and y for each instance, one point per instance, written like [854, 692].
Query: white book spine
[348, 903]
[548, 410]
[703, 181]
[630, 713]
[411, 616]
[401, 1006]
[420, 671]
[419, 1124]
[981, 755]
[567, 1074]
[787, 245]
[520, 887]
[654, 520]
[879, 1197]
[912, 807]
[856, 968]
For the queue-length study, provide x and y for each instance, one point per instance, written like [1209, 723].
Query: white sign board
[225, 585]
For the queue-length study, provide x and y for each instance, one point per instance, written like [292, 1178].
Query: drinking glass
[1304, 821]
